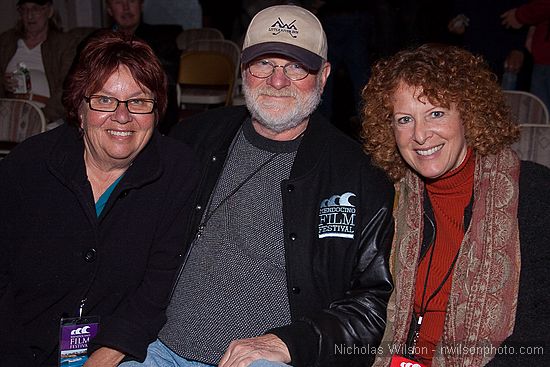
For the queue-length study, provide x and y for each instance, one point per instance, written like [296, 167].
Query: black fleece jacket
[55, 251]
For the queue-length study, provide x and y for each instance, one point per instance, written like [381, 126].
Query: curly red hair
[445, 74]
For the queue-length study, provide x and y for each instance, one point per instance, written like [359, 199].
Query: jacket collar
[313, 143]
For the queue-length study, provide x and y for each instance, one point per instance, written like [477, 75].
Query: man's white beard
[281, 117]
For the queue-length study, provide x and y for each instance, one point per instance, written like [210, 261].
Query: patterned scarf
[482, 304]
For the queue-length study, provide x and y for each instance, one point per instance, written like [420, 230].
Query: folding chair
[19, 119]
[532, 116]
[208, 71]
[526, 108]
[187, 36]
[534, 143]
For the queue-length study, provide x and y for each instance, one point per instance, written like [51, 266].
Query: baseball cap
[287, 30]
[39, 2]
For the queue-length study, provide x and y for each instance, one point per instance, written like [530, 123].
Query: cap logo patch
[280, 26]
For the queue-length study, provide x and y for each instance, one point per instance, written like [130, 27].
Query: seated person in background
[92, 214]
[287, 248]
[535, 13]
[46, 52]
[127, 17]
[477, 22]
[471, 248]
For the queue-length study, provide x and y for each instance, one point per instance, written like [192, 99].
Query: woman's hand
[104, 357]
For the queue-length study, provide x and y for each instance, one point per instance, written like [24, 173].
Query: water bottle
[23, 77]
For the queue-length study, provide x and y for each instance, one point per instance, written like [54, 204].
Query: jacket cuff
[122, 336]
[302, 342]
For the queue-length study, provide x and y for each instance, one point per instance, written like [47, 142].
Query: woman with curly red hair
[471, 221]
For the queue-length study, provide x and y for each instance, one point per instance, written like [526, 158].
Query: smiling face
[279, 104]
[430, 138]
[114, 139]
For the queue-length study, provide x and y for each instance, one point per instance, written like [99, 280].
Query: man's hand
[509, 19]
[241, 353]
[104, 357]
[458, 24]
[10, 83]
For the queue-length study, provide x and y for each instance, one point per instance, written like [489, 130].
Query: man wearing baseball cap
[285, 259]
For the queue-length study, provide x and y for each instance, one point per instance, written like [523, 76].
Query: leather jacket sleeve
[350, 330]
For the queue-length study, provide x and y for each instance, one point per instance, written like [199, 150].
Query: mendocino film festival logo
[337, 216]
[281, 27]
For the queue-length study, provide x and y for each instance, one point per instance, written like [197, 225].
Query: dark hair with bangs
[102, 54]
[446, 74]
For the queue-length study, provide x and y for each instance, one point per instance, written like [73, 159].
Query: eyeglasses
[264, 69]
[110, 104]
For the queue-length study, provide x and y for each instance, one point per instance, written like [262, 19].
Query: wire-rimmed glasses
[265, 68]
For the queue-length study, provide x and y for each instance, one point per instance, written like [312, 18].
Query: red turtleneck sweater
[449, 196]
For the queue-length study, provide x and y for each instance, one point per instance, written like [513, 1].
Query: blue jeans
[540, 83]
[159, 355]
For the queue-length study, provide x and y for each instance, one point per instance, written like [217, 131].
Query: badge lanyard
[209, 213]
[74, 337]
[75, 334]
[424, 306]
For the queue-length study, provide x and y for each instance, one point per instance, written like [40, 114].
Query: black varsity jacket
[337, 213]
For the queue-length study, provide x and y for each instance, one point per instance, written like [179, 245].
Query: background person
[127, 18]
[47, 53]
[537, 14]
[291, 227]
[472, 223]
[477, 22]
[92, 213]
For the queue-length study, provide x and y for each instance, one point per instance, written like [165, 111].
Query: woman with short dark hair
[92, 216]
